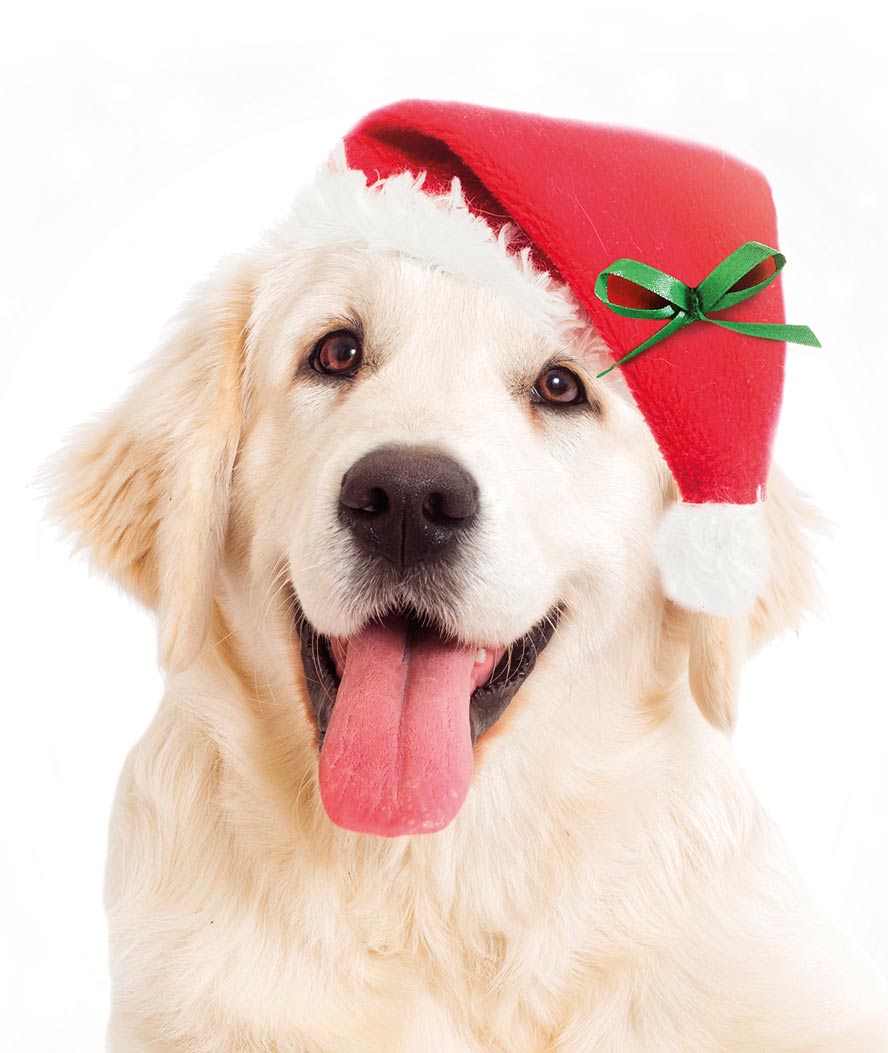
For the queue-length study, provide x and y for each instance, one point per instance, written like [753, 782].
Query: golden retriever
[352, 476]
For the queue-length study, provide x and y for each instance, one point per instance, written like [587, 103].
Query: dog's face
[400, 488]
[438, 479]
[417, 443]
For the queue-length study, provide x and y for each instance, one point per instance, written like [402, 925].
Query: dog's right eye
[337, 354]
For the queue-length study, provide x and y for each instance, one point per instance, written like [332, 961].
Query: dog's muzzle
[401, 702]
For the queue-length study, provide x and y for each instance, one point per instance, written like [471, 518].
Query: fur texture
[713, 557]
[610, 883]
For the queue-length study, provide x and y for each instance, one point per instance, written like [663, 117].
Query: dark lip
[488, 702]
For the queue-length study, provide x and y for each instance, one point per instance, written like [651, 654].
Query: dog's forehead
[452, 319]
[402, 306]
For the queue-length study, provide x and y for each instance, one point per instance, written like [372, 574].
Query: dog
[439, 767]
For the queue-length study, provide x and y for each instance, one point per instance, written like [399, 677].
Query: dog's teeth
[481, 656]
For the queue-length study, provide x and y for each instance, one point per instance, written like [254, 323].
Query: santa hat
[650, 235]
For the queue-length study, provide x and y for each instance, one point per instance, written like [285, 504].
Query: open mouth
[399, 707]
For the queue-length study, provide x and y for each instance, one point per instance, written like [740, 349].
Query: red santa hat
[653, 237]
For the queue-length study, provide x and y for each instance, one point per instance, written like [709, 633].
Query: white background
[139, 144]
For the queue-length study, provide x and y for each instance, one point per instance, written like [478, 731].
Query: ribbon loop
[682, 304]
[674, 292]
[718, 289]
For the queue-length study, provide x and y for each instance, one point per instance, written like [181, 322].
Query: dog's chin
[399, 705]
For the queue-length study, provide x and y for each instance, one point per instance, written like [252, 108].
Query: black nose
[407, 504]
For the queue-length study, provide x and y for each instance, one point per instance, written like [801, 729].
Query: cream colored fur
[610, 884]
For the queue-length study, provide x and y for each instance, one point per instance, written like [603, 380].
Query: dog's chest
[387, 972]
[294, 995]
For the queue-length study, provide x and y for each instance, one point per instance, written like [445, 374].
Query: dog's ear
[719, 647]
[144, 489]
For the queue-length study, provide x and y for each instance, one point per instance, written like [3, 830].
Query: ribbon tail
[678, 322]
[792, 334]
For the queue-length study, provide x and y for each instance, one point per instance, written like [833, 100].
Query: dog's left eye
[337, 354]
[559, 386]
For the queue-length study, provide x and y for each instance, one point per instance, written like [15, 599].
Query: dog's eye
[337, 354]
[558, 386]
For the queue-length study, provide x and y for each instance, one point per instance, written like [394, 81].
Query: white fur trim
[713, 557]
[396, 215]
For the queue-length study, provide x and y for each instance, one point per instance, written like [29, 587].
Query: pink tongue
[397, 754]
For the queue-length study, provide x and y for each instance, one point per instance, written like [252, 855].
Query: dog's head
[400, 489]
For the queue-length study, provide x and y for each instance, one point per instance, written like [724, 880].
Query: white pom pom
[713, 557]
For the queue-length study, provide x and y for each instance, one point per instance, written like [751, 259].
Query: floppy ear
[144, 489]
[719, 647]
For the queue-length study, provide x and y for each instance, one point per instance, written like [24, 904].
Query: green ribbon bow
[683, 305]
